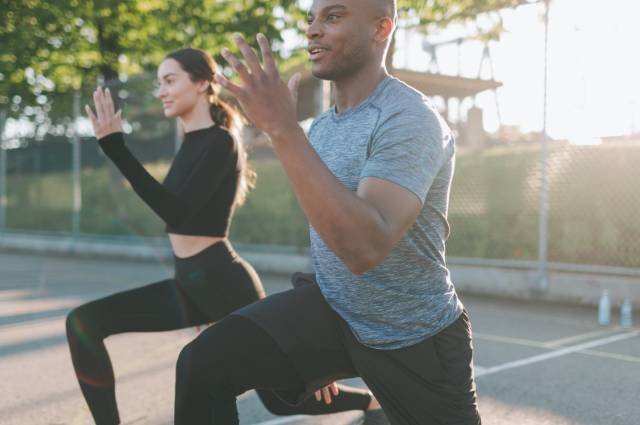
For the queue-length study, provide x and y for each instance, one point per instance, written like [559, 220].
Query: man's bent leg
[430, 382]
[224, 361]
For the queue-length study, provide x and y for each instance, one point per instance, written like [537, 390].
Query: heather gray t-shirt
[396, 135]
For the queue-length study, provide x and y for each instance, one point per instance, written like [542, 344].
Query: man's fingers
[237, 65]
[249, 55]
[318, 395]
[294, 84]
[334, 389]
[234, 89]
[270, 66]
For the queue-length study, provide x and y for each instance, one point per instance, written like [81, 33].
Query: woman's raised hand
[107, 120]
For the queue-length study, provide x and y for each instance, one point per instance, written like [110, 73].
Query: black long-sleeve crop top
[198, 193]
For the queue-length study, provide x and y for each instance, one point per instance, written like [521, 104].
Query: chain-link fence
[592, 204]
[494, 211]
[58, 180]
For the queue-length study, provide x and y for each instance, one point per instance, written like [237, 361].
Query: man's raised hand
[266, 100]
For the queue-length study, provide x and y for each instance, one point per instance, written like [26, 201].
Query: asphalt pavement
[536, 363]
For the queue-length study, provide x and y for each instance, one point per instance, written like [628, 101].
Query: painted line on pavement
[484, 371]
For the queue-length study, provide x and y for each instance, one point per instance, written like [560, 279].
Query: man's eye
[332, 18]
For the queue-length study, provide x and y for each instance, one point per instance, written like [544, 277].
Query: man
[373, 179]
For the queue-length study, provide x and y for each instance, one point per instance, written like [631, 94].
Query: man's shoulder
[403, 101]
[401, 105]
[319, 119]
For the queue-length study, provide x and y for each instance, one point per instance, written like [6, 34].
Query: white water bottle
[604, 308]
[625, 314]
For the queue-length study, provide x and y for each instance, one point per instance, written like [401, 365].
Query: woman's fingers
[91, 115]
[108, 100]
[97, 104]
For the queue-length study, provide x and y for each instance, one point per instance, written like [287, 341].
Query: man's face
[340, 35]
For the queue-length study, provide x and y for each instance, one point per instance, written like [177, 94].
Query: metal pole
[3, 174]
[542, 283]
[75, 162]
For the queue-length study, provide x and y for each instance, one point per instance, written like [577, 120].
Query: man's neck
[355, 89]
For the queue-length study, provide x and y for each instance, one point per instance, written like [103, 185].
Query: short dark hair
[390, 8]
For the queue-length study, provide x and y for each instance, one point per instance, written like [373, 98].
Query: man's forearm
[354, 230]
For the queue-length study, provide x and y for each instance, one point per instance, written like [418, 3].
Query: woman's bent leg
[159, 306]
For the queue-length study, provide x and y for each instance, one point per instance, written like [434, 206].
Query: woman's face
[179, 95]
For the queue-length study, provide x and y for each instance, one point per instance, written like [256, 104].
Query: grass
[593, 205]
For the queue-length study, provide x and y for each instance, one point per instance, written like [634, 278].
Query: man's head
[346, 35]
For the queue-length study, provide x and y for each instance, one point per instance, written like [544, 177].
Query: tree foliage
[52, 46]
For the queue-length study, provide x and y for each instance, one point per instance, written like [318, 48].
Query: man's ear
[384, 29]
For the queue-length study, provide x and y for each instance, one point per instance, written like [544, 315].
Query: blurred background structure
[528, 195]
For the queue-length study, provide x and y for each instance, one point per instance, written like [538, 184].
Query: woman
[207, 179]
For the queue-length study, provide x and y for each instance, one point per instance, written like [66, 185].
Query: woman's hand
[107, 121]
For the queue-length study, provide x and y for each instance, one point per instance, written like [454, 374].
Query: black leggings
[206, 288]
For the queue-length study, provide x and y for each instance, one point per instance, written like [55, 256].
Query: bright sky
[594, 67]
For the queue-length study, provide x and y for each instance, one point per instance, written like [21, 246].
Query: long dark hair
[200, 66]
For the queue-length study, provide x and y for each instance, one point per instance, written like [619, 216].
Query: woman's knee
[77, 320]
[83, 322]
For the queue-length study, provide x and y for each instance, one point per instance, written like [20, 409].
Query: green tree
[52, 46]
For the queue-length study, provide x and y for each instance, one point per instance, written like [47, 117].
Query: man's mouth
[315, 52]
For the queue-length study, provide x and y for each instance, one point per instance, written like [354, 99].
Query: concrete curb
[502, 278]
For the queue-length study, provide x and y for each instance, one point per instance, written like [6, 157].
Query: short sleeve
[408, 149]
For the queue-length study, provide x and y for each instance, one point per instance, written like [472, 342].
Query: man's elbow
[362, 262]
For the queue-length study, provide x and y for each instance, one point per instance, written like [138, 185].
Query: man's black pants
[294, 343]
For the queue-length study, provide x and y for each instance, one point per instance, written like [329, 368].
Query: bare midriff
[185, 246]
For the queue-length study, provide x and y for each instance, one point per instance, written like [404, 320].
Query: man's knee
[199, 366]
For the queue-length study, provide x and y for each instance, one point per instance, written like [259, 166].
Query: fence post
[3, 173]
[75, 163]
[541, 282]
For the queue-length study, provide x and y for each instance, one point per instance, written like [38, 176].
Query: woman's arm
[172, 207]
